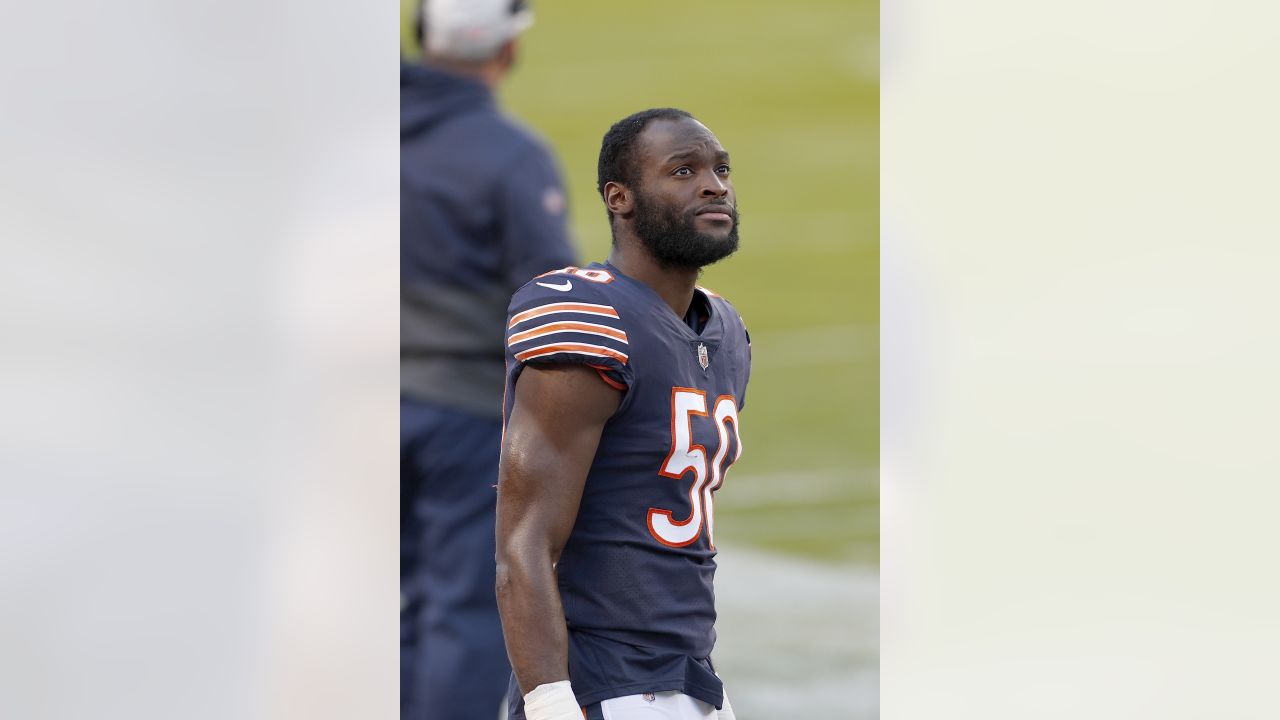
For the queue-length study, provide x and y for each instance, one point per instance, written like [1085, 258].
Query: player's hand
[552, 701]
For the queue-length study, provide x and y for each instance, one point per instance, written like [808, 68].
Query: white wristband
[552, 701]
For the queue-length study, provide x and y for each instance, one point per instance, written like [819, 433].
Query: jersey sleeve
[559, 318]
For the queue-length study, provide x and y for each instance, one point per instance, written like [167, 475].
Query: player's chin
[719, 246]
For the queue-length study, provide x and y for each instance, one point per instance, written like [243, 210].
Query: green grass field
[792, 91]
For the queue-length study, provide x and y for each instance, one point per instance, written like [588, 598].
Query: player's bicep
[551, 439]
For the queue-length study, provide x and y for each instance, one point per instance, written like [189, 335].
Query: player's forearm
[551, 439]
[533, 622]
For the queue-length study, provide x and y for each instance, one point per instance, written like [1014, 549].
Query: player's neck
[673, 285]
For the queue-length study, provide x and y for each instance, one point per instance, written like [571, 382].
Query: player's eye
[683, 170]
[723, 169]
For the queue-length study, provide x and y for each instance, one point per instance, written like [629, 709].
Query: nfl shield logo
[703, 359]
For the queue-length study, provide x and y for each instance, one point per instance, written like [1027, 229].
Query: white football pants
[670, 705]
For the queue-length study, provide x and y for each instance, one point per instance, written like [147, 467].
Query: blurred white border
[199, 396]
[1078, 384]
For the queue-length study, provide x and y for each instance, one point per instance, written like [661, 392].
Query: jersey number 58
[686, 456]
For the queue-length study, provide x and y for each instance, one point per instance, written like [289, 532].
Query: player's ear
[618, 198]
[506, 57]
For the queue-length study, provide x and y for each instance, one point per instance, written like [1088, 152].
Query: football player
[625, 381]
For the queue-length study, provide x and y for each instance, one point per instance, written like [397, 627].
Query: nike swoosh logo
[565, 287]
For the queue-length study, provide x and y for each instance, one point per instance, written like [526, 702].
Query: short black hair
[617, 150]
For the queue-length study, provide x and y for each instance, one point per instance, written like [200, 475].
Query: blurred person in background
[624, 385]
[482, 210]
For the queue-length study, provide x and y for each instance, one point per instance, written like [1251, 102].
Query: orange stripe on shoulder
[576, 348]
[564, 307]
[564, 326]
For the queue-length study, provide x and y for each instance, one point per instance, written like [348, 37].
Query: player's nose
[714, 187]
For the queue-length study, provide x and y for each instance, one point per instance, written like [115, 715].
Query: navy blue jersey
[636, 575]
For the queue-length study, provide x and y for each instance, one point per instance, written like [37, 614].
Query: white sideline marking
[797, 639]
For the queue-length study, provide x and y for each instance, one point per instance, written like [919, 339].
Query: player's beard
[673, 238]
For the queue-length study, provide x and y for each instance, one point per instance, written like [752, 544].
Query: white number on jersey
[599, 276]
[686, 456]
